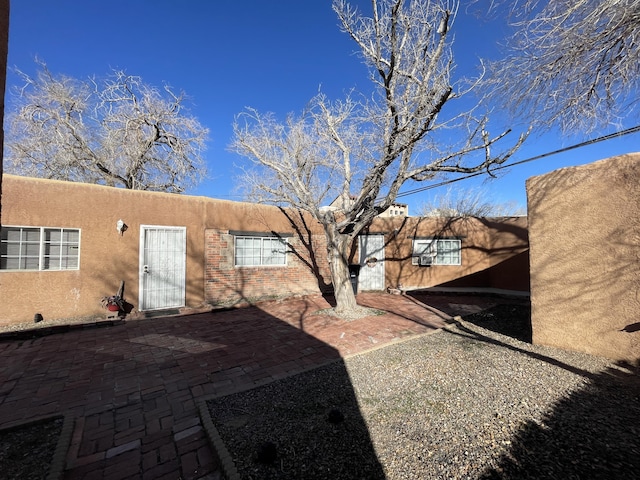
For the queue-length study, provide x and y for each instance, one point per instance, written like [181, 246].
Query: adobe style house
[65, 246]
[62, 250]
[584, 232]
[454, 253]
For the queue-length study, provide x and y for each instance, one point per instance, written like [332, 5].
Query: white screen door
[371, 262]
[162, 267]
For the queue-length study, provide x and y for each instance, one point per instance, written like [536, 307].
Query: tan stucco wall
[106, 257]
[508, 253]
[251, 217]
[487, 246]
[584, 231]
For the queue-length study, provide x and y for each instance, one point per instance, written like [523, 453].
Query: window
[39, 248]
[443, 251]
[255, 251]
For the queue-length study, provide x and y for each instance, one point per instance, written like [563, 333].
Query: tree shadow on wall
[508, 268]
[591, 434]
[308, 254]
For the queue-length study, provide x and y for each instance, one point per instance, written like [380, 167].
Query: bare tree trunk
[338, 249]
[345, 161]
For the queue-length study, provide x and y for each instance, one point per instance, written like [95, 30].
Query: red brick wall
[227, 284]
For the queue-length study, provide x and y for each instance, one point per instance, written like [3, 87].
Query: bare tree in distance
[118, 132]
[570, 63]
[344, 161]
[471, 202]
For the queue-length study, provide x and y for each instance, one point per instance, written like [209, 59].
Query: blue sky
[229, 54]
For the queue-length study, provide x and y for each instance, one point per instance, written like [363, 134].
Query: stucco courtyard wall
[494, 252]
[106, 257]
[584, 231]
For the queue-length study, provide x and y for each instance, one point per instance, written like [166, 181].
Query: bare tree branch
[345, 161]
[572, 63]
[468, 203]
[120, 132]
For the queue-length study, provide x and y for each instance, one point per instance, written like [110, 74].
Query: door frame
[380, 270]
[141, 263]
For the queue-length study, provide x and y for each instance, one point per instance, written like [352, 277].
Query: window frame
[433, 245]
[263, 259]
[64, 250]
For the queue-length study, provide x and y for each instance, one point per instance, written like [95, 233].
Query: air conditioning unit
[426, 260]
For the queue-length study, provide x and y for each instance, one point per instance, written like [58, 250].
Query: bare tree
[120, 132]
[472, 202]
[355, 155]
[572, 63]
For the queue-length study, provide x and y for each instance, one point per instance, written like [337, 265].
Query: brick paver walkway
[132, 389]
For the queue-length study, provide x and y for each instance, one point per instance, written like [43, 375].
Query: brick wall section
[228, 284]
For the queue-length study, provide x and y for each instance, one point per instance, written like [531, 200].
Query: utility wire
[531, 159]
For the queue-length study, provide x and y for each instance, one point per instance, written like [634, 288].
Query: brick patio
[132, 389]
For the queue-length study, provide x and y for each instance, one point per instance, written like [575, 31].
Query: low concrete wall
[584, 231]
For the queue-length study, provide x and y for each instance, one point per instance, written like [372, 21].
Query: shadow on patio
[133, 388]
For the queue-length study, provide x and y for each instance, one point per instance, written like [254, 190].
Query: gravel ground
[26, 452]
[469, 402]
[462, 403]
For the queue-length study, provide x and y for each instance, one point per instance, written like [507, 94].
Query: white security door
[162, 267]
[371, 262]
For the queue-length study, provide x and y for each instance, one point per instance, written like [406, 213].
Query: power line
[531, 159]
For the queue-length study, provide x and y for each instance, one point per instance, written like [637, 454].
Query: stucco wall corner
[584, 252]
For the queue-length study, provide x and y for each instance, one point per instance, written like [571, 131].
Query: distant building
[395, 210]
